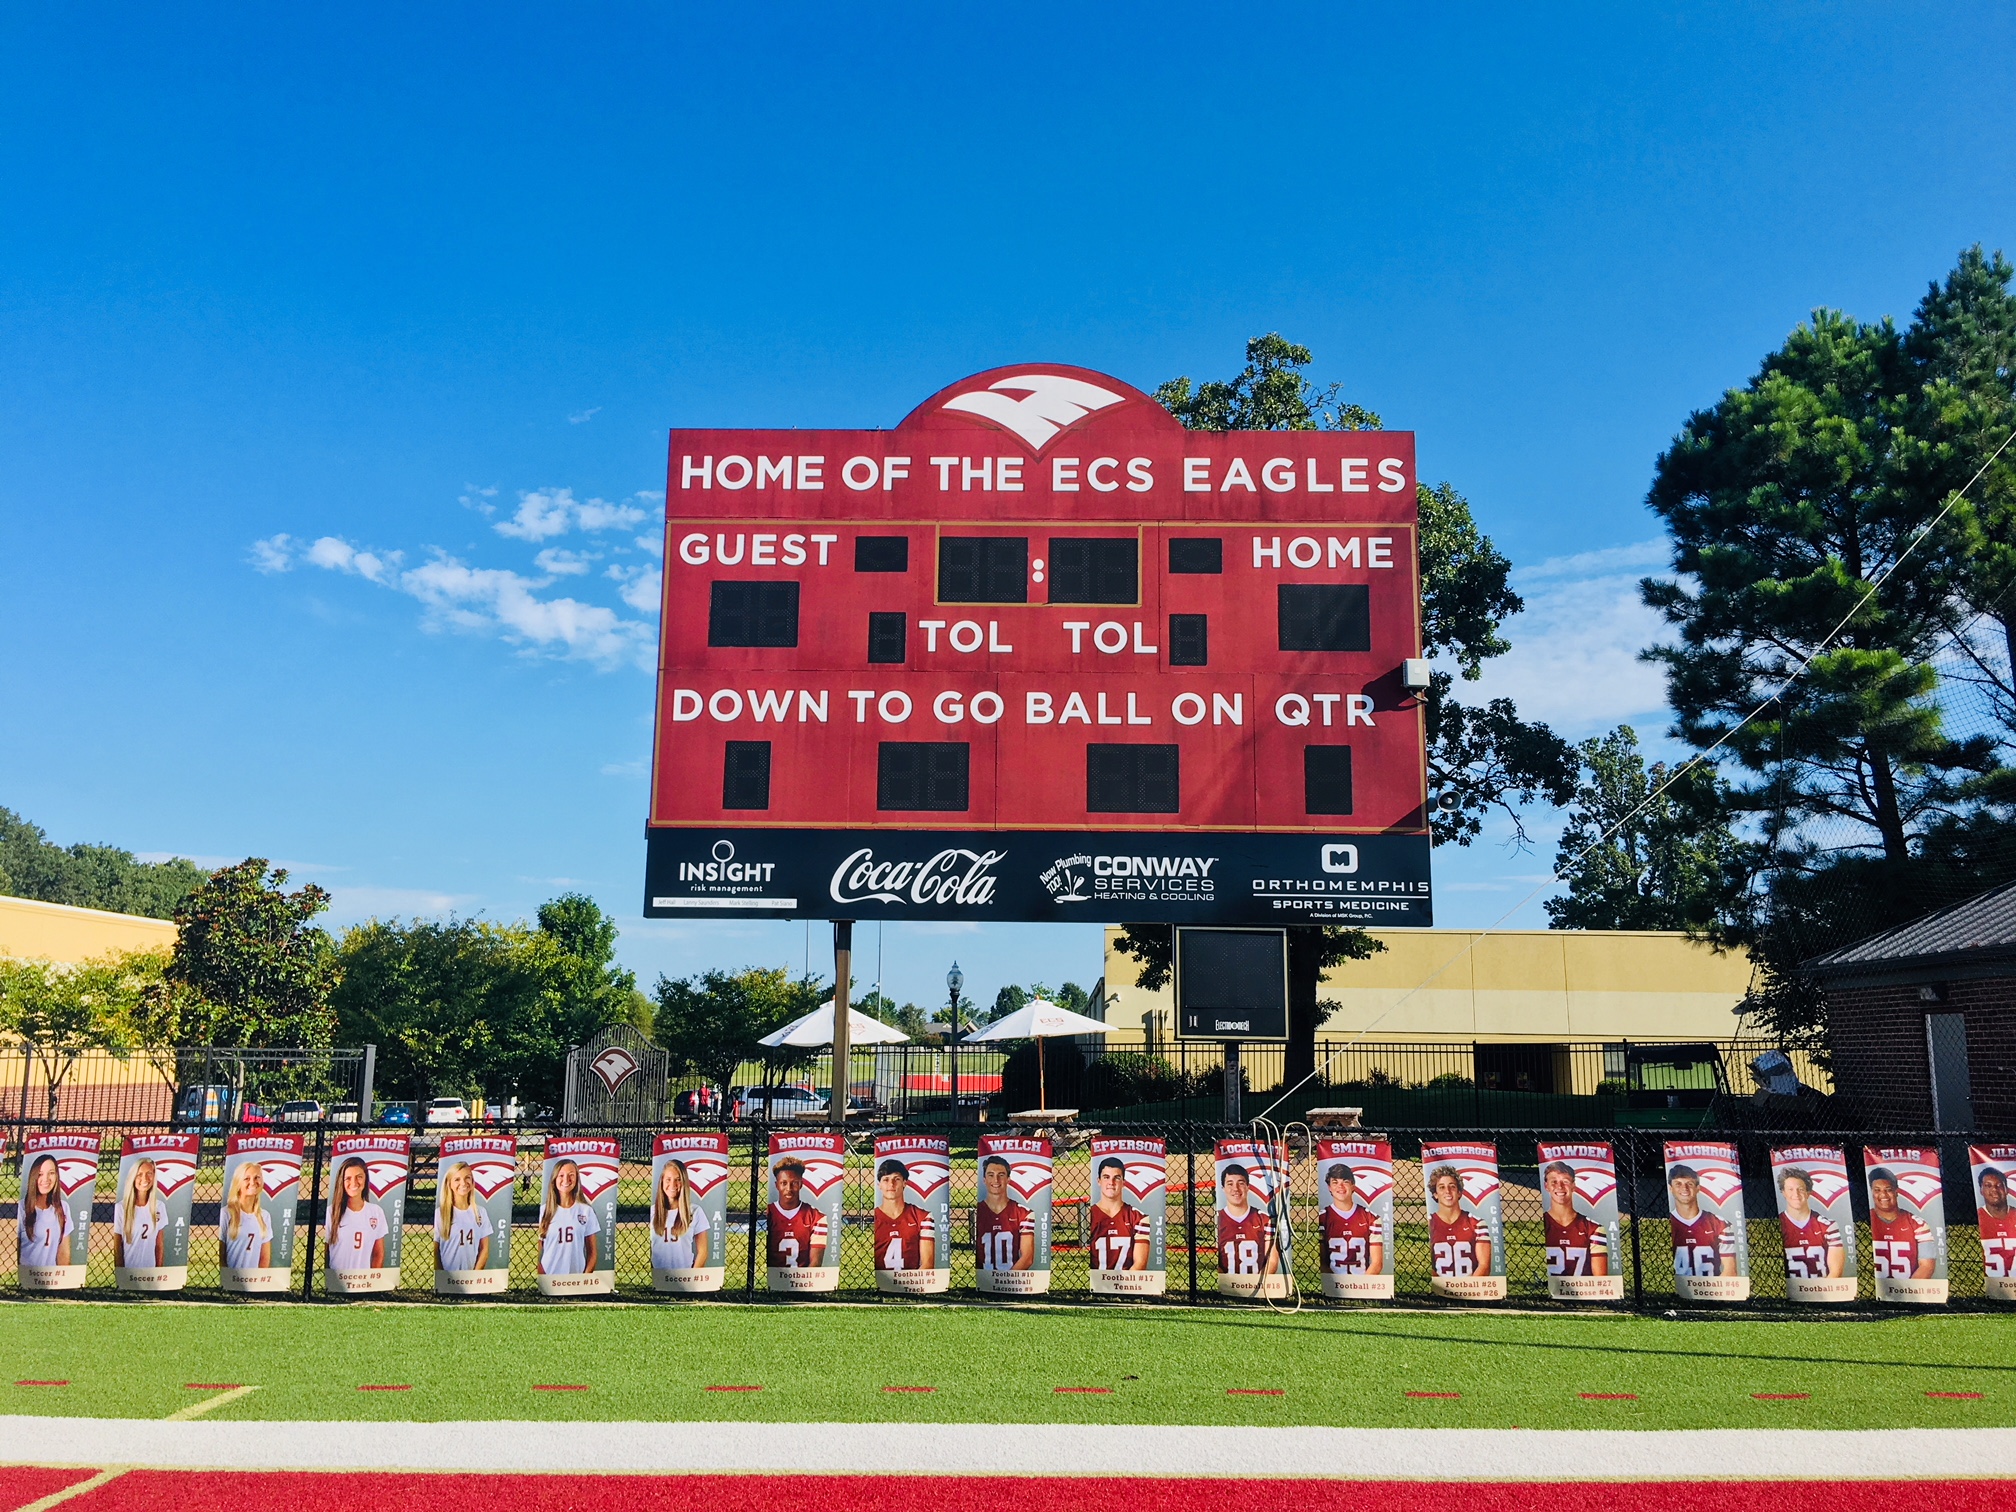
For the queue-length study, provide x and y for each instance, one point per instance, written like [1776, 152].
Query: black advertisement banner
[1217, 877]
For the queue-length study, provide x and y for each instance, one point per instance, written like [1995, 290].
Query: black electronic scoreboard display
[1040, 653]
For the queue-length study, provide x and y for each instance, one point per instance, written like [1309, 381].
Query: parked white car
[775, 1104]
[304, 1110]
[447, 1110]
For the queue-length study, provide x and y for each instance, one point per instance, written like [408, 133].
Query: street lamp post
[954, 980]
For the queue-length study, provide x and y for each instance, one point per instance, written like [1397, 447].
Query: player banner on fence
[689, 1212]
[255, 1221]
[59, 1179]
[1817, 1220]
[476, 1184]
[1127, 1223]
[1581, 1227]
[577, 1216]
[801, 1246]
[150, 1213]
[1992, 1167]
[1907, 1222]
[913, 1213]
[1704, 1202]
[1011, 1218]
[1250, 1262]
[367, 1212]
[1356, 1224]
[1466, 1226]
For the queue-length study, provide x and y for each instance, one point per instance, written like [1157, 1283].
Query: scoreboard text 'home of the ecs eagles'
[1039, 653]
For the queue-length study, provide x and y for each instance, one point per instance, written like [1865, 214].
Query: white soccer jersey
[42, 1237]
[142, 1225]
[467, 1229]
[255, 1230]
[680, 1253]
[357, 1232]
[566, 1251]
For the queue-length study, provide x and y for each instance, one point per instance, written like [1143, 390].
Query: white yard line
[1017, 1449]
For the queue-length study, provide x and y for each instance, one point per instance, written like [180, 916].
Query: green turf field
[1161, 1366]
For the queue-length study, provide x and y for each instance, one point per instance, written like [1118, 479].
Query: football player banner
[577, 1215]
[1993, 1168]
[1011, 1216]
[1817, 1221]
[59, 1179]
[1126, 1224]
[1907, 1222]
[913, 1213]
[689, 1212]
[475, 1183]
[1704, 1204]
[150, 1211]
[1580, 1225]
[363, 1236]
[255, 1221]
[1466, 1225]
[801, 1244]
[1356, 1221]
[1250, 1261]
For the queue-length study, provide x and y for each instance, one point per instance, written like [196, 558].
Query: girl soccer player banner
[1356, 1224]
[255, 1223]
[577, 1216]
[1817, 1221]
[913, 1213]
[1011, 1217]
[1127, 1222]
[59, 1178]
[1907, 1222]
[1993, 1169]
[150, 1215]
[689, 1212]
[1250, 1262]
[1704, 1204]
[367, 1212]
[801, 1245]
[1466, 1225]
[1580, 1226]
[473, 1190]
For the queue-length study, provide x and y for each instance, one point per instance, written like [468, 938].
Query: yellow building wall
[57, 932]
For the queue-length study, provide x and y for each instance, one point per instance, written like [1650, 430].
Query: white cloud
[501, 601]
[641, 587]
[339, 555]
[478, 499]
[548, 512]
[560, 562]
[354, 905]
[655, 545]
[584, 416]
[1649, 555]
[624, 768]
[274, 554]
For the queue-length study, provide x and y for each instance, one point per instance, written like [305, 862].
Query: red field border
[233, 1491]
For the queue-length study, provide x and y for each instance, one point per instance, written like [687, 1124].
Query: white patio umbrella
[816, 1028]
[1040, 1019]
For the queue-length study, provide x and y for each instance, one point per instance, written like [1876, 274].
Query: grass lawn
[1163, 1366]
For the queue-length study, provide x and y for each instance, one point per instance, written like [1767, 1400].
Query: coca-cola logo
[954, 875]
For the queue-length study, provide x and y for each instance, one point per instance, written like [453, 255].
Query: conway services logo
[1051, 403]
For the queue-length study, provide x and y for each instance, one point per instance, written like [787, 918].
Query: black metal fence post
[755, 1184]
[314, 1196]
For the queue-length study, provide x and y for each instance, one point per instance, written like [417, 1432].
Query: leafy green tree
[1010, 999]
[594, 991]
[250, 951]
[89, 876]
[61, 1012]
[1636, 861]
[714, 1022]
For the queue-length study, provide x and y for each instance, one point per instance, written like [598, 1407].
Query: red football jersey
[1806, 1245]
[1570, 1245]
[1114, 1236]
[797, 1238]
[1998, 1243]
[1348, 1239]
[998, 1236]
[898, 1243]
[1895, 1243]
[1454, 1244]
[1245, 1243]
[1698, 1247]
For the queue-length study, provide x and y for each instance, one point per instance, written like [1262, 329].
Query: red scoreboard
[1040, 653]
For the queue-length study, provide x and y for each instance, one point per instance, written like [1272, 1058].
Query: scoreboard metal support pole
[1232, 1079]
[843, 1047]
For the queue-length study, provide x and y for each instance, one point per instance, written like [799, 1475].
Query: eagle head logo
[1050, 403]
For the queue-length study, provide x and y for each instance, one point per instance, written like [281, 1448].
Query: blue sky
[337, 350]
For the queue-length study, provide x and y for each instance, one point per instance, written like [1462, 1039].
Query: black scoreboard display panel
[1040, 653]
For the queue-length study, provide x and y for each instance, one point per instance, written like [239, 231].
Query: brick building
[1922, 1018]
